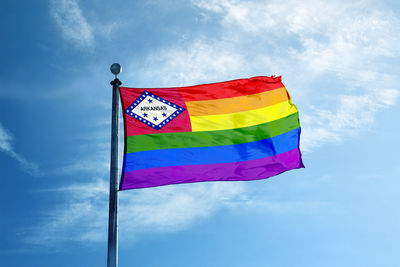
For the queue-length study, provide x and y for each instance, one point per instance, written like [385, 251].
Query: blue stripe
[213, 155]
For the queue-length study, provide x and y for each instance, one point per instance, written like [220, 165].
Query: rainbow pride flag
[244, 129]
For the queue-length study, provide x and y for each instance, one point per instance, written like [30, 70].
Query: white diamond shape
[154, 108]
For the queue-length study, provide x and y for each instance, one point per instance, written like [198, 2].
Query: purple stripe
[235, 171]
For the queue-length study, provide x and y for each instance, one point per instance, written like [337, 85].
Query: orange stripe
[237, 104]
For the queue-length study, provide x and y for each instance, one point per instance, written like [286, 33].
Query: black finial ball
[115, 68]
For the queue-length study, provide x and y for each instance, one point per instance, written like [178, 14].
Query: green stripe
[138, 143]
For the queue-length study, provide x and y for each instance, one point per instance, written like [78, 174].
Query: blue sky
[338, 59]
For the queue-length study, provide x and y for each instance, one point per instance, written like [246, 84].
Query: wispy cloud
[343, 45]
[314, 44]
[172, 208]
[199, 61]
[352, 114]
[85, 207]
[73, 24]
[77, 28]
[164, 209]
[83, 216]
[6, 145]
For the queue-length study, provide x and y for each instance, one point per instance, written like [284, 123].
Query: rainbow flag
[244, 129]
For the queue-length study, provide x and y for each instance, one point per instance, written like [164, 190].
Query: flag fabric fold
[238, 130]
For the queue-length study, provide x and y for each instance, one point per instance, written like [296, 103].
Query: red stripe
[227, 89]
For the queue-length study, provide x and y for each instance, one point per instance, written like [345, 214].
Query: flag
[245, 129]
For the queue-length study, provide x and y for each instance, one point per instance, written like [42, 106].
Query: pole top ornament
[116, 69]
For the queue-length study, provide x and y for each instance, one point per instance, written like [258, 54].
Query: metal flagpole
[112, 255]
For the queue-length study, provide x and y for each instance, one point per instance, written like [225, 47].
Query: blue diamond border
[178, 111]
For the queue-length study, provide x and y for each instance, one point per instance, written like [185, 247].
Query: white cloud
[84, 215]
[74, 26]
[6, 140]
[95, 164]
[331, 56]
[197, 62]
[352, 114]
[297, 206]
[173, 208]
[166, 209]
[77, 28]
[315, 45]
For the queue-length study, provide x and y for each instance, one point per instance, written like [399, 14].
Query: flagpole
[112, 255]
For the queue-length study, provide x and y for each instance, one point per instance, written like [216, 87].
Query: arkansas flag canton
[154, 111]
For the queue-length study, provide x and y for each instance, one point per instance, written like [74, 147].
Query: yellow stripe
[237, 104]
[242, 119]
